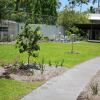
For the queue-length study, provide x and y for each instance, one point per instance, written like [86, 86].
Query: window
[3, 29]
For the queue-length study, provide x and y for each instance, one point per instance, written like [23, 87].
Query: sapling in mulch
[50, 64]
[71, 31]
[21, 64]
[32, 71]
[2, 65]
[62, 62]
[27, 40]
[14, 67]
[56, 64]
[42, 66]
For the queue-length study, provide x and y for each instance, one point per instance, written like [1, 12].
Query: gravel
[36, 75]
[92, 90]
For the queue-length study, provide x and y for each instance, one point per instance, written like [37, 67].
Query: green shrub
[56, 63]
[42, 66]
[50, 64]
[46, 38]
[62, 62]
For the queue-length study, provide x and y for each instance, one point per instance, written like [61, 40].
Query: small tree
[71, 32]
[27, 40]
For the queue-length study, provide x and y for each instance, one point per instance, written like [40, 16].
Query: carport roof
[94, 16]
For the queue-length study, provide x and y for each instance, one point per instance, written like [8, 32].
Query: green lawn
[54, 52]
[13, 90]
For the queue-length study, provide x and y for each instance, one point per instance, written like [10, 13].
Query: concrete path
[67, 86]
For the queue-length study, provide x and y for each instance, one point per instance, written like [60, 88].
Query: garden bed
[92, 90]
[30, 74]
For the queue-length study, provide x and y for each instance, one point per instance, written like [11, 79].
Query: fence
[13, 24]
[50, 31]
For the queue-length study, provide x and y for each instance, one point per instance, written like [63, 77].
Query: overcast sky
[84, 8]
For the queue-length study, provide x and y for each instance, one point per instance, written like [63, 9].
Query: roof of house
[94, 16]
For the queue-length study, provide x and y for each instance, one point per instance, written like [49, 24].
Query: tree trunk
[17, 5]
[72, 50]
[28, 59]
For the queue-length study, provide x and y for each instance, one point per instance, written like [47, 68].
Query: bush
[42, 66]
[50, 64]
[62, 62]
[56, 64]
[46, 38]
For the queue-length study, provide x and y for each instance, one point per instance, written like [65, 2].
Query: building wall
[7, 30]
[94, 34]
[50, 31]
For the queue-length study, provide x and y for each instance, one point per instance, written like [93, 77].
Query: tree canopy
[3, 8]
[69, 17]
[35, 8]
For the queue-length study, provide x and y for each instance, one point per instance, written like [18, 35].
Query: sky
[84, 8]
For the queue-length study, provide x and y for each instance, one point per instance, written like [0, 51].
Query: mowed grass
[14, 90]
[54, 52]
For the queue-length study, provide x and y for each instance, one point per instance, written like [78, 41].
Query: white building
[8, 30]
[93, 28]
